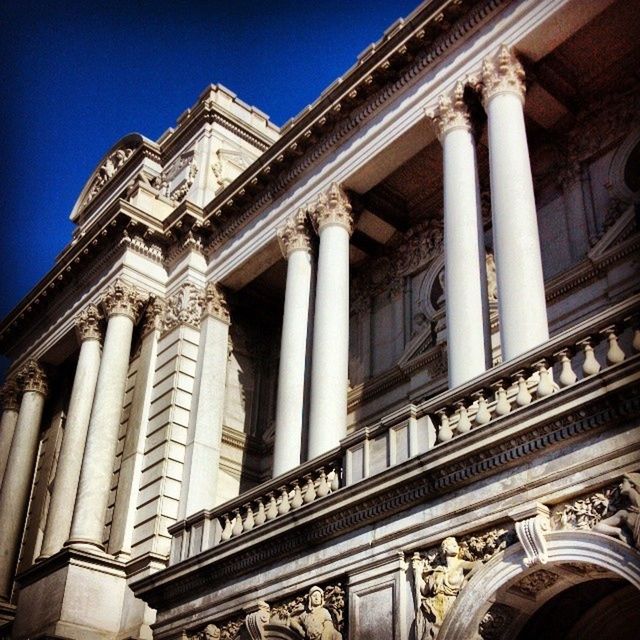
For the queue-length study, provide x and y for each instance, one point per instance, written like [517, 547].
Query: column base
[57, 597]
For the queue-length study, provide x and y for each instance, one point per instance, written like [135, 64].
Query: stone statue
[438, 586]
[625, 521]
[492, 280]
[315, 622]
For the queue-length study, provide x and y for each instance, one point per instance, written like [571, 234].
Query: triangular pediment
[622, 229]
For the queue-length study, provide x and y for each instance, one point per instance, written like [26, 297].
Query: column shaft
[70, 461]
[14, 495]
[293, 356]
[330, 360]
[87, 527]
[465, 273]
[7, 423]
[521, 295]
[204, 438]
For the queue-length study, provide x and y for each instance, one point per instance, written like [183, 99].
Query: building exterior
[372, 375]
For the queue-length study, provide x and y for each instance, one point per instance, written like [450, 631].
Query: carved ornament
[502, 74]
[183, 308]
[88, 323]
[531, 535]
[294, 234]
[33, 378]
[496, 621]
[107, 170]
[534, 583]
[451, 112]
[153, 316]
[122, 299]
[332, 208]
[10, 394]
[215, 302]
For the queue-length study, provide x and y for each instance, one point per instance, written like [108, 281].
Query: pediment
[622, 229]
[421, 342]
[110, 164]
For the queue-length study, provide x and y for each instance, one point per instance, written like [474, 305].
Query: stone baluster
[522, 306]
[204, 439]
[260, 515]
[445, 432]
[328, 412]
[65, 485]
[272, 507]
[284, 506]
[615, 354]
[10, 403]
[464, 424]
[122, 303]
[523, 397]
[590, 366]
[18, 476]
[567, 375]
[296, 500]
[295, 244]
[483, 415]
[464, 255]
[502, 406]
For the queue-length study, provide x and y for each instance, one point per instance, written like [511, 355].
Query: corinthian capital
[88, 323]
[9, 393]
[153, 316]
[33, 378]
[451, 112]
[502, 74]
[122, 299]
[215, 303]
[294, 234]
[332, 208]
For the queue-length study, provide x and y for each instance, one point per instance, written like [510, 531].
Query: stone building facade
[371, 375]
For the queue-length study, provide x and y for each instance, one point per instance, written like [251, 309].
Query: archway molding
[613, 557]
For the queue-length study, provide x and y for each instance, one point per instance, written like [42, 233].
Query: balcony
[582, 380]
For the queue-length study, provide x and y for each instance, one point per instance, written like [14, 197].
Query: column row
[331, 217]
[516, 244]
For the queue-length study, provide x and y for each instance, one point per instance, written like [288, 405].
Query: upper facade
[393, 340]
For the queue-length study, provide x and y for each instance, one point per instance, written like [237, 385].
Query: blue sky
[76, 77]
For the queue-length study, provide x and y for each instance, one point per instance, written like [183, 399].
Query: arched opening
[590, 585]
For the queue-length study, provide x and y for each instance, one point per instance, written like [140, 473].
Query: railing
[267, 502]
[576, 354]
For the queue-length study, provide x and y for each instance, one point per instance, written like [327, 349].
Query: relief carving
[185, 307]
[107, 170]
[625, 523]
[439, 577]
[534, 583]
[496, 621]
[317, 615]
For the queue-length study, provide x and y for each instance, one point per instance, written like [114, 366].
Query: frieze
[318, 614]
[141, 246]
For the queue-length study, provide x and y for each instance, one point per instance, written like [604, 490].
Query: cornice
[74, 260]
[510, 441]
[405, 53]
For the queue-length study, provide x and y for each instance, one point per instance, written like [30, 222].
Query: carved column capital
[332, 208]
[88, 323]
[122, 299]
[502, 74]
[531, 531]
[215, 303]
[451, 112]
[153, 316]
[10, 394]
[294, 234]
[33, 378]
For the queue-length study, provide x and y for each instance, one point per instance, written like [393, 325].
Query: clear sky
[77, 76]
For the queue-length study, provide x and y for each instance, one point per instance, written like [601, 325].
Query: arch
[614, 557]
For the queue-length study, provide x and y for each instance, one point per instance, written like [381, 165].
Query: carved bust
[315, 623]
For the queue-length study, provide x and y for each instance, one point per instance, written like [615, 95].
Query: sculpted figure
[625, 519]
[211, 632]
[315, 623]
[437, 587]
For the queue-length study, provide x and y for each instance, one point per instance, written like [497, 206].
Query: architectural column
[522, 306]
[122, 302]
[14, 496]
[330, 361]
[296, 247]
[464, 257]
[10, 393]
[204, 434]
[65, 485]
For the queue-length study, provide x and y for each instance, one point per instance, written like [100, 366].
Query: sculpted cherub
[438, 586]
[625, 520]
